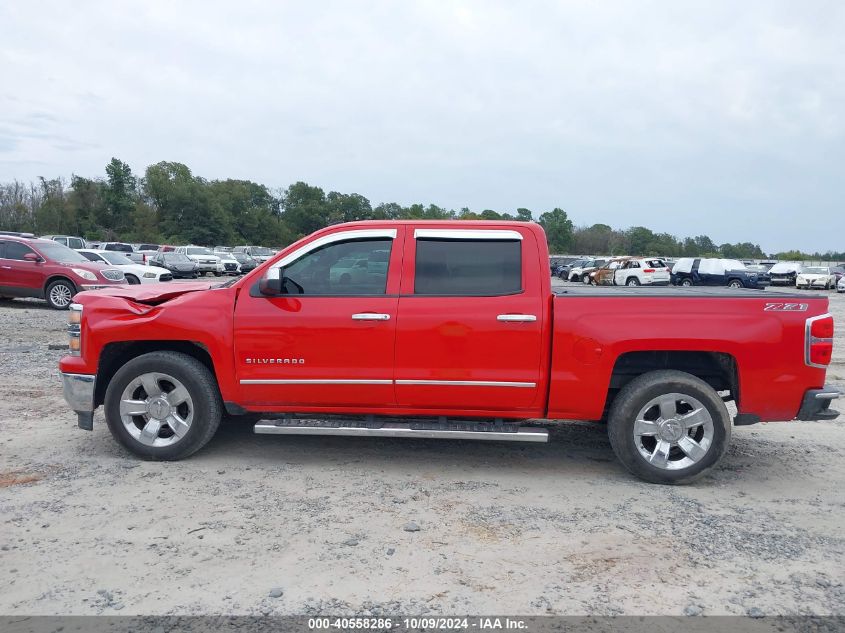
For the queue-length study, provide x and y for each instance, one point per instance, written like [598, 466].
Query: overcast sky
[689, 117]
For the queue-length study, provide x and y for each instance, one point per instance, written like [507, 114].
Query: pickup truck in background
[447, 330]
[706, 271]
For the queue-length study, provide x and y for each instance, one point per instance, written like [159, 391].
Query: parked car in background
[705, 271]
[557, 261]
[45, 269]
[68, 240]
[821, 277]
[147, 250]
[259, 253]
[642, 271]
[840, 285]
[126, 249]
[604, 275]
[134, 273]
[582, 272]
[180, 265]
[838, 272]
[784, 273]
[206, 260]
[246, 262]
[563, 270]
[229, 263]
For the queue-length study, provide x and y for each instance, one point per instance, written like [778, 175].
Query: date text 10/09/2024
[424, 623]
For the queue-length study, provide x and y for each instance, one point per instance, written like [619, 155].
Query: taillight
[819, 341]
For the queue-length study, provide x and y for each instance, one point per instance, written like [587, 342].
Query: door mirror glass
[271, 283]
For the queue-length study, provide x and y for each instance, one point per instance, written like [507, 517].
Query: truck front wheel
[163, 405]
[669, 427]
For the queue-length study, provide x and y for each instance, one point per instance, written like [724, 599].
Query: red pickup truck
[447, 330]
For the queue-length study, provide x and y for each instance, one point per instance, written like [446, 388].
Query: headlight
[74, 329]
[149, 275]
[85, 274]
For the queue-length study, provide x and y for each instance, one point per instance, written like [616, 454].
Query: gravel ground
[307, 525]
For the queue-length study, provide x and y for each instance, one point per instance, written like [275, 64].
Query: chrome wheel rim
[156, 409]
[61, 295]
[673, 431]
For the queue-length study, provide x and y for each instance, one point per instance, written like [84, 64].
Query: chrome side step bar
[461, 431]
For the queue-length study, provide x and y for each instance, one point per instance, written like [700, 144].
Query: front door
[469, 335]
[18, 275]
[329, 342]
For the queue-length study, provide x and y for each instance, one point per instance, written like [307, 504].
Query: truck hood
[155, 294]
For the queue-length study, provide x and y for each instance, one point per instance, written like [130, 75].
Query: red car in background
[45, 269]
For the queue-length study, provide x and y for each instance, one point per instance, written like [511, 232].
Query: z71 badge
[786, 307]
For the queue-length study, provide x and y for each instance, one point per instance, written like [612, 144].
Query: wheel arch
[115, 355]
[57, 277]
[718, 369]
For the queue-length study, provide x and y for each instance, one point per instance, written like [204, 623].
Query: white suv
[643, 271]
[206, 260]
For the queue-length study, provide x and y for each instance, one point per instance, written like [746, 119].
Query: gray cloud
[689, 117]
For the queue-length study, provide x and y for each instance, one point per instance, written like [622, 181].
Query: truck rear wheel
[669, 427]
[163, 405]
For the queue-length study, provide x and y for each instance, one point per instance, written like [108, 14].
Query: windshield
[148, 247]
[785, 267]
[117, 259]
[260, 250]
[817, 270]
[199, 251]
[124, 248]
[175, 257]
[58, 253]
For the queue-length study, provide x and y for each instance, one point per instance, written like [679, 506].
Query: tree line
[169, 204]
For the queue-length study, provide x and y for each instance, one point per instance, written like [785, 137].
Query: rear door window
[459, 267]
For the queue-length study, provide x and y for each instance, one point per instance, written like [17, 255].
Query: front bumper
[816, 404]
[79, 394]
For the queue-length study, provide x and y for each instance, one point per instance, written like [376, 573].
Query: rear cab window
[467, 263]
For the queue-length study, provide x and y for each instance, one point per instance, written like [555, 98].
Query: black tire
[632, 281]
[59, 286]
[636, 395]
[199, 382]
[217, 274]
[575, 279]
[585, 279]
[734, 283]
[686, 283]
[132, 280]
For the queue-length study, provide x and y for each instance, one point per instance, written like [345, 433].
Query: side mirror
[271, 283]
[32, 257]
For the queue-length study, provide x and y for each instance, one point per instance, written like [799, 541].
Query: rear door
[330, 341]
[470, 320]
[17, 275]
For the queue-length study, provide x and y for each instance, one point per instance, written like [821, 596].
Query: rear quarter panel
[592, 332]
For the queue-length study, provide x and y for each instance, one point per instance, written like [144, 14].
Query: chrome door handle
[516, 317]
[370, 316]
